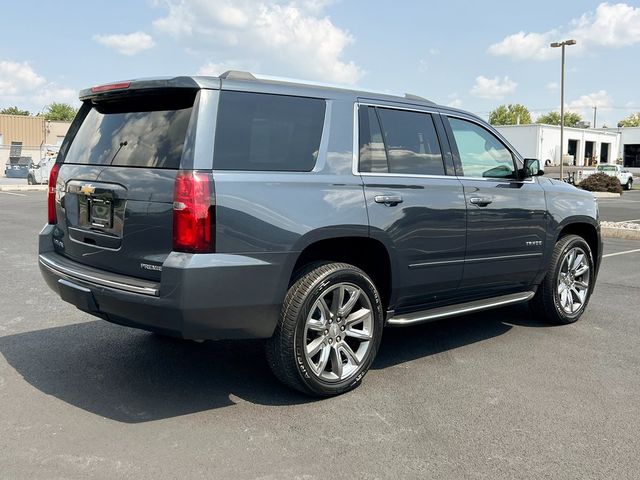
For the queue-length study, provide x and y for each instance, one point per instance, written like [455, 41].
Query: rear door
[115, 186]
[414, 207]
[506, 216]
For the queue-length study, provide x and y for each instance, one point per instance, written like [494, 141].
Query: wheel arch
[360, 250]
[589, 231]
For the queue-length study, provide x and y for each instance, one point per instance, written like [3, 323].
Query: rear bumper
[212, 296]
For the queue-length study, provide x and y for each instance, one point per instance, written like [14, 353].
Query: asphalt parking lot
[621, 209]
[485, 396]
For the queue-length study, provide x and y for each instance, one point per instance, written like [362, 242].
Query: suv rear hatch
[115, 185]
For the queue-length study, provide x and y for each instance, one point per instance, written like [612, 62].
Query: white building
[630, 146]
[583, 146]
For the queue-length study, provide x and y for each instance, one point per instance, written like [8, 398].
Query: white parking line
[620, 253]
[16, 194]
[629, 221]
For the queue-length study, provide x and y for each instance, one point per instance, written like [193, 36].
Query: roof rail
[236, 75]
[411, 96]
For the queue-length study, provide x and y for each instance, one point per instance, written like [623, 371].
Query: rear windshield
[262, 132]
[140, 131]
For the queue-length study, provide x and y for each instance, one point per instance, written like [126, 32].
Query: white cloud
[553, 86]
[523, 45]
[611, 25]
[596, 99]
[289, 39]
[454, 100]
[126, 44]
[20, 85]
[15, 76]
[494, 88]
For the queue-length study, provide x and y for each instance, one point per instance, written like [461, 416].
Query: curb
[23, 188]
[606, 195]
[625, 233]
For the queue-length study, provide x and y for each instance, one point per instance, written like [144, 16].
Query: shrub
[601, 182]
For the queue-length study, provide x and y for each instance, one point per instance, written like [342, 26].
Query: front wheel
[329, 331]
[629, 185]
[564, 293]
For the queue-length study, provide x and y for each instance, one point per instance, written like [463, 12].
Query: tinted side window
[411, 142]
[481, 153]
[267, 132]
[373, 157]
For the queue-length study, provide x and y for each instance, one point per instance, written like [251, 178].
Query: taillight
[110, 86]
[51, 195]
[193, 212]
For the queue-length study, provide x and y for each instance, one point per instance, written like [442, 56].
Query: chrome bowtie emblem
[87, 189]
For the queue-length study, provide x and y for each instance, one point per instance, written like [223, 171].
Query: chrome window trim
[356, 147]
[479, 259]
[356, 141]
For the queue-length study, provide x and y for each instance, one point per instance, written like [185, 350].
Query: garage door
[632, 155]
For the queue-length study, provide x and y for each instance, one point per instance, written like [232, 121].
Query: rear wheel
[329, 331]
[564, 293]
[30, 180]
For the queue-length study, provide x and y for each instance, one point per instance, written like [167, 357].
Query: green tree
[632, 120]
[512, 114]
[553, 118]
[59, 112]
[14, 111]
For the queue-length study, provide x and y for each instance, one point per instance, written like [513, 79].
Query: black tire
[286, 348]
[30, 180]
[629, 185]
[546, 302]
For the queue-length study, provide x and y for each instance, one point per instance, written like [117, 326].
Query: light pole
[556, 45]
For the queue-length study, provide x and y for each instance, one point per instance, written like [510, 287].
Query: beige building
[34, 135]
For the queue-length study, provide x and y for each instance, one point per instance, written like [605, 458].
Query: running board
[460, 309]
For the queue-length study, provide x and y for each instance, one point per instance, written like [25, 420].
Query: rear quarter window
[263, 132]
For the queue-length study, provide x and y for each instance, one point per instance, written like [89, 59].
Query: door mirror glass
[532, 167]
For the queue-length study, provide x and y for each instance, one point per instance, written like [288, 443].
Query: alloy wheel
[573, 281]
[338, 332]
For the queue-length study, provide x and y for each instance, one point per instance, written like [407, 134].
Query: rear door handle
[388, 200]
[481, 201]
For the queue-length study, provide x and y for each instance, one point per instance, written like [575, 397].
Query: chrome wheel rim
[338, 332]
[573, 281]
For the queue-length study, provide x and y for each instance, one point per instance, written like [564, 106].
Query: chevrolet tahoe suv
[238, 207]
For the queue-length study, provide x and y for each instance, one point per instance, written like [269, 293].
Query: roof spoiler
[125, 87]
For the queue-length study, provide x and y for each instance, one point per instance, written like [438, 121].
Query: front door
[414, 207]
[506, 216]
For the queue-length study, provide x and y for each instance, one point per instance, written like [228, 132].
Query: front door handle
[388, 200]
[480, 201]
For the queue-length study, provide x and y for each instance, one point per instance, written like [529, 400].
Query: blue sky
[475, 55]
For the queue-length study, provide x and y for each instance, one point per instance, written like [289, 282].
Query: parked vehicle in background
[39, 172]
[624, 176]
[17, 167]
[238, 207]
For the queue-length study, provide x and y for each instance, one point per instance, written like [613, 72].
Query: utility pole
[556, 45]
[595, 113]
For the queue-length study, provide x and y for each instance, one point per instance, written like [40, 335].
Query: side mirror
[532, 168]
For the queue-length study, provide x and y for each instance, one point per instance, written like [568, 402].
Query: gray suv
[236, 207]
